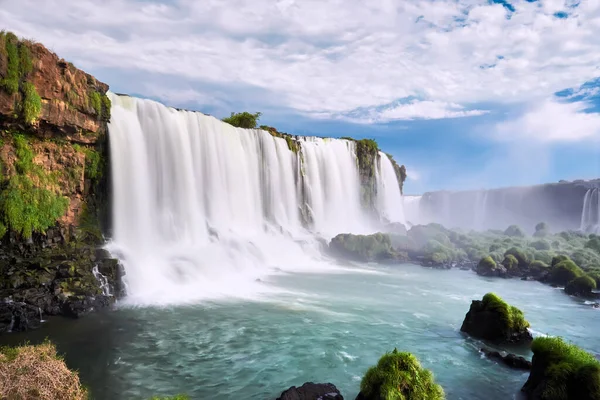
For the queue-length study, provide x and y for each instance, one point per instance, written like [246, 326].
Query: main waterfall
[203, 209]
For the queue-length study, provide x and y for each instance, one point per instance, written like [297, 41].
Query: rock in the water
[494, 320]
[509, 359]
[312, 391]
[18, 317]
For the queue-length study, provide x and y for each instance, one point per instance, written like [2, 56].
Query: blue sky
[466, 93]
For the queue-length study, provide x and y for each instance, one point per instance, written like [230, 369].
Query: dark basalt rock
[511, 360]
[312, 391]
[17, 316]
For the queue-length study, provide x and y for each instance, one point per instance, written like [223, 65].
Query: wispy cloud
[444, 54]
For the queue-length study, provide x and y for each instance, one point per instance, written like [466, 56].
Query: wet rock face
[510, 360]
[17, 317]
[312, 391]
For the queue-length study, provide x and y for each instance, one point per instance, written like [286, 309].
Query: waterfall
[389, 198]
[202, 209]
[412, 210]
[590, 215]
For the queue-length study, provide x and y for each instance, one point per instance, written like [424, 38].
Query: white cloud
[331, 57]
[552, 121]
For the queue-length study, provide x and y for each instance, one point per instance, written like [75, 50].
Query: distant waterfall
[204, 209]
[590, 215]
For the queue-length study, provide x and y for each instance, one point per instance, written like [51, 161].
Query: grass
[93, 162]
[513, 318]
[10, 83]
[37, 372]
[32, 103]
[399, 376]
[570, 372]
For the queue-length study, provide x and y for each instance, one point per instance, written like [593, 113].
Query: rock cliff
[53, 186]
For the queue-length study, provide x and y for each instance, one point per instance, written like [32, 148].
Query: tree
[243, 120]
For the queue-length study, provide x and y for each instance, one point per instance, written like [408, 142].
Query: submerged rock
[312, 391]
[493, 319]
[511, 360]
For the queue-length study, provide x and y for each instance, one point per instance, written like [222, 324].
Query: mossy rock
[520, 255]
[564, 272]
[581, 286]
[399, 376]
[495, 320]
[562, 371]
[514, 231]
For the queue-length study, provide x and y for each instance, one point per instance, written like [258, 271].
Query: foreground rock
[493, 319]
[312, 391]
[399, 375]
[511, 360]
[562, 371]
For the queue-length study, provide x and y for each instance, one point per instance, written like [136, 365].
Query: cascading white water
[590, 215]
[412, 210]
[389, 198]
[204, 209]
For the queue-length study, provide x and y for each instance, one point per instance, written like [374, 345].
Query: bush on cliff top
[36, 372]
[243, 120]
[399, 376]
[513, 318]
[569, 372]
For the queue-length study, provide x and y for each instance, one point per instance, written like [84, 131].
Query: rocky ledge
[508, 359]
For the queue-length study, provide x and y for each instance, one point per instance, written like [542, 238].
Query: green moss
[26, 206]
[540, 245]
[10, 83]
[558, 259]
[95, 102]
[564, 272]
[581, 286]
[569, 372]
[510, 262]
[32, 103]
[520, 255]
[243, 120]
[25, 61]
[93, 161]
[106, 104]
[399, 376]
[513, 318]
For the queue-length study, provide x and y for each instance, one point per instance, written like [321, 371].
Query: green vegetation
[26, 204]
[293, 144]
[19, 66]
[564, 272]
[243, 120]
[486, 264]
[10, 83]
[100, 103]
[399, 376]
[363, 247]
[93, 161]
[512, 318]
[37, 372]
[581, 286]
[568, 371]
[32, 103]
[514, 231]
[541, 230]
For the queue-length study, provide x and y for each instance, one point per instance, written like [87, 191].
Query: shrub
[514, 231]
[486, 264]
[558, 259]
[32, 103]
[243, 120]
[513, 318]
[399, 376]
[564, 272]
[540, 245]
[594, 244]
[581, 286]
[510, 262]
[520, 255]
[568, 371]
[543, 255]
[36, 372]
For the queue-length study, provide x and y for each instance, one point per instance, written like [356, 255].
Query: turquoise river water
[317, 327]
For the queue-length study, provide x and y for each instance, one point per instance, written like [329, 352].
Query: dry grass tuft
[36, 372]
